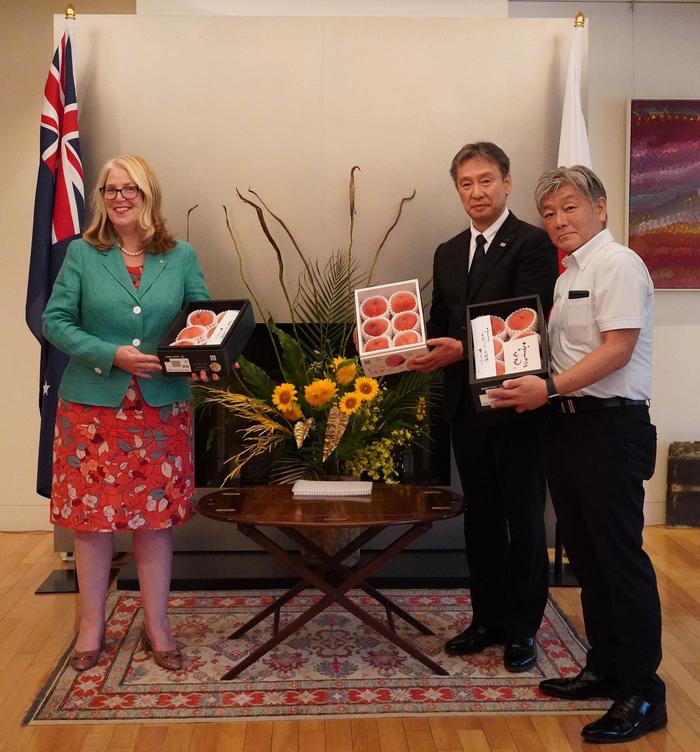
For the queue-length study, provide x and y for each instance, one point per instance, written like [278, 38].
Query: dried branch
[189, 211]
[249, 288]
[386, 236]
[278, 253]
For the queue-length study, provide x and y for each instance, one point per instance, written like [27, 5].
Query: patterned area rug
[336, 665]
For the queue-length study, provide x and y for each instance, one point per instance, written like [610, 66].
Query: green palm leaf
[325, 303]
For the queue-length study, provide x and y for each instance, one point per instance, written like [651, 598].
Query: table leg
[381, 558]
[356, 579]
[334, 593]
[331, 564]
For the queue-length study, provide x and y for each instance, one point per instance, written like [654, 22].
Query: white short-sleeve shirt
[605, 286]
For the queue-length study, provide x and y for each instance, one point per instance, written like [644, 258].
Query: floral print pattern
[122, 469]
[127, 468]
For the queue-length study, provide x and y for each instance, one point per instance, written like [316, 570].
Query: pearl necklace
[129, 253]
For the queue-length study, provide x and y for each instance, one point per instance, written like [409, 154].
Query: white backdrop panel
[287, 105]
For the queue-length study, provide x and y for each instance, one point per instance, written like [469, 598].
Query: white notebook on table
[332, 488]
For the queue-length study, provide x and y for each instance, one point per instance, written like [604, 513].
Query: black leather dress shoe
[520, 654]
[473, 640]
[629, 718]
[584, 686]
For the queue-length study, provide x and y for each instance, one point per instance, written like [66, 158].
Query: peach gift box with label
[207, 335]
[495, 355]
[400, 304]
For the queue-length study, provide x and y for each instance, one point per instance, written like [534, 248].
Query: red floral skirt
[125, 468]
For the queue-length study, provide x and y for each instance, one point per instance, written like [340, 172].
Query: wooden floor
[36, 630]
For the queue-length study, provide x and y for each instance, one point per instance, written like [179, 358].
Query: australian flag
[58, 219]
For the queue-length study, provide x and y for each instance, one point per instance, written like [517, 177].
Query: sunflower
[350, 402]
[366, 387]
[320, 391]
[292, 412]
[283, 396]
[345, 370]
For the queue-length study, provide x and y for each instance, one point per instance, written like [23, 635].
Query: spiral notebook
[332, 488]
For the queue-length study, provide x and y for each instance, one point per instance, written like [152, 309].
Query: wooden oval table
[255, 507]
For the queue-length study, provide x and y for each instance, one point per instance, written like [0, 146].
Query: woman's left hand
[202, 376]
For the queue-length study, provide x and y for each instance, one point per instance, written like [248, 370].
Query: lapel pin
[503, 244]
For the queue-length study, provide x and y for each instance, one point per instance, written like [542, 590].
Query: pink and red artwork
[664, 205]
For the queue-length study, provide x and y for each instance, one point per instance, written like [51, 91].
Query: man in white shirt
[600, 447]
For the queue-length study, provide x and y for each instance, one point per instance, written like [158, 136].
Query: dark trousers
[596, 462]
[503, 480]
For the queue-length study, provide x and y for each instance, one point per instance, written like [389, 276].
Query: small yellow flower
[421, 408]
[283, 395]
[344, 374]
[350, 402]
[320, 391]
[367, 388]
[292, 412]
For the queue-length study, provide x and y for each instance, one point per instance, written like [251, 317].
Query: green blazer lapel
[115, 266]
[153, 265]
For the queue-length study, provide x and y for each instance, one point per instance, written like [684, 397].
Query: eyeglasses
[128, 192]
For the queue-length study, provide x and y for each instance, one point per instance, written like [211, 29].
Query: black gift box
[503, 308]
[181, 361]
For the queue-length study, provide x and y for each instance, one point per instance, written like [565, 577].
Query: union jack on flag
[58, 219]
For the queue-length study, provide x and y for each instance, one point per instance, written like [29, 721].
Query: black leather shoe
[520, 654]
[584, 686]
[629, 718]
[473, 640]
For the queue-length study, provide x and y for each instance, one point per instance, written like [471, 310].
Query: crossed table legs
[334, 580]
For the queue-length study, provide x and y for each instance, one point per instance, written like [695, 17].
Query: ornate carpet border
[122, 689]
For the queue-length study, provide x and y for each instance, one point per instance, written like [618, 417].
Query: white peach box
[391, 359]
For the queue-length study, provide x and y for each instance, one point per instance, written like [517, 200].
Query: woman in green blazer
[122, 449]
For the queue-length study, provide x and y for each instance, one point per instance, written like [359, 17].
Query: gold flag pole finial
[70, 13]
[579, 21]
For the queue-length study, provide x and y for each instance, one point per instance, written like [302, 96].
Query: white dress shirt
[489, 234]
[620, 295]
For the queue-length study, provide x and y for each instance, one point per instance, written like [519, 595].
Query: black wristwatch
[551, 388]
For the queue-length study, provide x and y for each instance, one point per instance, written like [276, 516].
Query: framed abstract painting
[664, 190]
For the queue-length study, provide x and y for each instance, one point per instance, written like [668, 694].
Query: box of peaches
[390, 327]
[506, 338]
[207, 335]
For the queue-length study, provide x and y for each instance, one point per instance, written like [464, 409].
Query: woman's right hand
[133, 361]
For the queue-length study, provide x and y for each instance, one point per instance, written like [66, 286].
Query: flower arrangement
[320, 415]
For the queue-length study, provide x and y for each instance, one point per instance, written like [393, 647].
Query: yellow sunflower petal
[367, 387]
[350, 402]
[320, 391]
[283, 395]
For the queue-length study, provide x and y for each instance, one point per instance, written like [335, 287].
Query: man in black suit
[497, 454]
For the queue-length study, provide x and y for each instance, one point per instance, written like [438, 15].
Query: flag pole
[70, 13]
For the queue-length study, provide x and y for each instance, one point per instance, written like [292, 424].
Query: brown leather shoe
[82, 660]
[170, 660]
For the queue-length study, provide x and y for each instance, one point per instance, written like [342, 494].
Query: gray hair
[578, 177]
[484, 149]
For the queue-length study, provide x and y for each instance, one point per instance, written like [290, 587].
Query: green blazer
[94, 309]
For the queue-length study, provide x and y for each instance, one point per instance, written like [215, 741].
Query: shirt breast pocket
[579, 319]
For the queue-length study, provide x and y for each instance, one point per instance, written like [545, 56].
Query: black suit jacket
[520, 260]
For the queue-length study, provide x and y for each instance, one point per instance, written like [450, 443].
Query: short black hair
[484, 149]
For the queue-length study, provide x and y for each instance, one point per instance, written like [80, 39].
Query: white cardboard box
[391, 359]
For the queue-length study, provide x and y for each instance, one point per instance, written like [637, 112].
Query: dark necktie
[479, 256]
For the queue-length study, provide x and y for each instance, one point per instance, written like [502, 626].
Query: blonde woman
[122, 451]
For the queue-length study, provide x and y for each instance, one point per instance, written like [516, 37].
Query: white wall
[639, 51]
[635, 50]
[26, 37]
